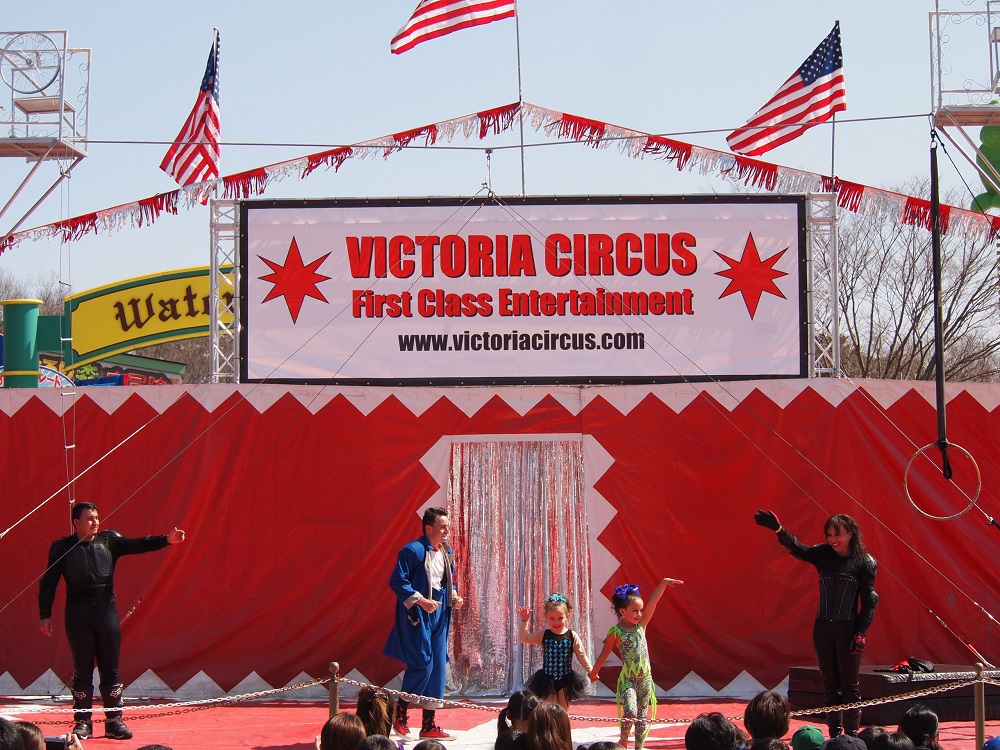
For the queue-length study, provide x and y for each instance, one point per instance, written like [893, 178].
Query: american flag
[194, 154]
[813, 94]
[434, 18]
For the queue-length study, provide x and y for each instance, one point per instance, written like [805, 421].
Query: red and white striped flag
[434, 18]
[194, 154]
[813, 94]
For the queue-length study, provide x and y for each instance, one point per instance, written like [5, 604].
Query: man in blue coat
[425, 595]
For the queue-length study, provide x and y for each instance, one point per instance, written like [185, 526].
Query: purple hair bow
[623, 592]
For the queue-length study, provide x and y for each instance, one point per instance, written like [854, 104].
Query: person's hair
[769, 743]
[920, 724]
[868, 735]
[602, 745]
[10, 736]
[512, 739]
[31, 735]
[767, 715]
[154, 747]
[375, 709]
[558, 601]
[341, 732]
[624, 595]
[431, 515]
[711, 731]
[519, 707]
[892, 741]
[377, 742]
[844, 522]
[79, 508]
[428, 745]
[548, 728]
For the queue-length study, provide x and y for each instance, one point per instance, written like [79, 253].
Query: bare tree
[44, 287]
[194, 353]
[886, 301]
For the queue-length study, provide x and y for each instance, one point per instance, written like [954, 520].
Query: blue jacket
[410, 639]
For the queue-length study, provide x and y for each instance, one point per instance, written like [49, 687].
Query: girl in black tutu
[556, 681]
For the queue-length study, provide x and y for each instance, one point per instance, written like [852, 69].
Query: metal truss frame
[224, 274]
[822, 264]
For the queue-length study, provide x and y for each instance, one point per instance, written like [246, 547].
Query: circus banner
[523, 290]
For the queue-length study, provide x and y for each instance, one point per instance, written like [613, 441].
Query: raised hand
[767, 519]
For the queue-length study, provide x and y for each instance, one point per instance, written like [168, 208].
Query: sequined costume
[847, 601]
[636, 694]
[557, 664]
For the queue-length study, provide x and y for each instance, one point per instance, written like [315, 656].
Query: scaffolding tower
[44, 107]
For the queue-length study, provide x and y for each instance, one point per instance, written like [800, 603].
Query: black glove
[767, 519]
[858, 643]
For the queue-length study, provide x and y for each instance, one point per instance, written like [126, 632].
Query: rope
[184, 707]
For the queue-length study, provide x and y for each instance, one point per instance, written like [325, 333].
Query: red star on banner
[294, 281]
[751, 276]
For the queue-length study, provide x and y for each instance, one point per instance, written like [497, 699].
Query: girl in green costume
[628, 639]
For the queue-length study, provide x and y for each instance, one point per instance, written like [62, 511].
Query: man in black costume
[86, 559]
[847, 601]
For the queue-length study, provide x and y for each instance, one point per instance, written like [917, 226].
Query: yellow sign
[143, 311]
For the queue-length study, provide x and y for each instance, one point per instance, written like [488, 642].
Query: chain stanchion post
[979, 699]
[334, 688]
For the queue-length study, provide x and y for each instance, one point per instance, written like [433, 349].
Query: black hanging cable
[942, 440]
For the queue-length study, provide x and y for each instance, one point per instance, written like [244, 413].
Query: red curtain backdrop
[296, 500]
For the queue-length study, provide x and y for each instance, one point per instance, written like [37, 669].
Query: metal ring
[975, 497]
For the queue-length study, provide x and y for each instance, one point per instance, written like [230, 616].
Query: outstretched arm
[654, 598]
[609, 644]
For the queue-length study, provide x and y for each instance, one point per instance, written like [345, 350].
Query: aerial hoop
[921, 511]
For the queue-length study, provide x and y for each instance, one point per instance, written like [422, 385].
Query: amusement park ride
[44, 107]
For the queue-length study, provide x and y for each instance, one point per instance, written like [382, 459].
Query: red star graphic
[294, 281]
[751, 276]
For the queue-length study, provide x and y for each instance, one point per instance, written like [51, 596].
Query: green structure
[20, 349]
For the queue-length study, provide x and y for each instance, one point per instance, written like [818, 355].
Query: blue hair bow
[623, 592]
[558, 598]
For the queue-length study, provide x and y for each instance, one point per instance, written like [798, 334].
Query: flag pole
[520, 90]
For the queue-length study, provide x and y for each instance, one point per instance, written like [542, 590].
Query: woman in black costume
[847, 602]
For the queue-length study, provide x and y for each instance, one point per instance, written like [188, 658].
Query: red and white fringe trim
[851, 196]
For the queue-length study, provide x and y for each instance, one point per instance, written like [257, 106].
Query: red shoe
[435, 733]
[400, 727]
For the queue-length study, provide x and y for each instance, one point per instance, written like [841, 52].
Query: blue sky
[312, 75]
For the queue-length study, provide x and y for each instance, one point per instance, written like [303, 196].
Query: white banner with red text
[568, 289]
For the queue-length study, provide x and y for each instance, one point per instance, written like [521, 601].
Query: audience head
[602, 745]
[512, 739]
[893, 741]
[769, 743]
[32, 736]
[711, 731]
[548, 728]
[519, 708]
[10, 736]
[868, 735]
[375, 709]
[341, 732]
[767, 716]
[428, 745]
[377, 742]
[807, 738]
[920, 724]
[844, 742]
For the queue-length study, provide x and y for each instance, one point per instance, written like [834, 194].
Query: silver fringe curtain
[519, 528]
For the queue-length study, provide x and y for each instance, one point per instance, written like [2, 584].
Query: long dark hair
[519, 708]
[844, 522]
[920, 724]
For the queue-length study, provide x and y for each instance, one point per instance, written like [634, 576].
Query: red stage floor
[293, 725]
